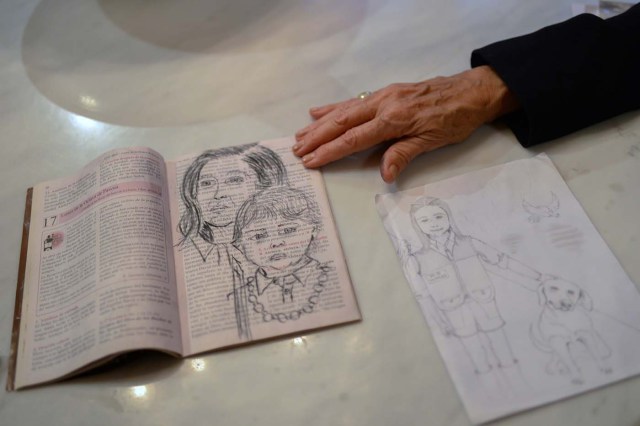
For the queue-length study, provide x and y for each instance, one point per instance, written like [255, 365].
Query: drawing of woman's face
[432, 220]
[276, 243]
[223, 185]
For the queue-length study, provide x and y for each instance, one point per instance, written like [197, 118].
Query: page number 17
[50, 221]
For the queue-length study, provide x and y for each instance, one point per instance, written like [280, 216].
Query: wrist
[499, 99]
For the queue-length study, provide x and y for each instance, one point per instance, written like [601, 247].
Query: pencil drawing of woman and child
[243, 218]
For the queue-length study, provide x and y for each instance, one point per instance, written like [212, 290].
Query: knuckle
[386, 118]
[402, 157]
[350, 139]
[310, 130]
[312, 140]
[391, 116]
[398, 90]
[341, 117]
[394, 87]
[434, 139]
[310, 136]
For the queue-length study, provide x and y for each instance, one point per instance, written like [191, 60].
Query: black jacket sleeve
[569, 75]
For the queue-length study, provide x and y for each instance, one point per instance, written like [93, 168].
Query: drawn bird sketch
[537, 213]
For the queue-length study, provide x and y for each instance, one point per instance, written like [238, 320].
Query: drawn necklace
[293, 315]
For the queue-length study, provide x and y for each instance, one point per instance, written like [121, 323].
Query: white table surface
[79, 77]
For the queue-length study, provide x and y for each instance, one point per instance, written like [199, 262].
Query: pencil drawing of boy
[275, 229]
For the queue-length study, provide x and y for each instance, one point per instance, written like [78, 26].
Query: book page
[257, 253]
[99, 275]
[524, 299]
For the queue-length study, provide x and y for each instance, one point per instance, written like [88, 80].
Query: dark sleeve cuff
[569, 75]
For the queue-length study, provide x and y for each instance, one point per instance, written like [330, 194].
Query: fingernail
[297, 146]
[307, 158]
[300, 133]
[393, 170]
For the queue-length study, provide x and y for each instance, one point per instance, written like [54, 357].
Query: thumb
[399, 155]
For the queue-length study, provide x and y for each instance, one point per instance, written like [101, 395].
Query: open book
[211, 250]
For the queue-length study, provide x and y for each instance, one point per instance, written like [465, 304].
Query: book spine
[17, 312]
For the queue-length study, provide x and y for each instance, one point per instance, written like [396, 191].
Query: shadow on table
[132, 368]
[167, 63]
[228, 26]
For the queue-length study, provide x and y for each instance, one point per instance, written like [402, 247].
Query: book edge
[17, 311]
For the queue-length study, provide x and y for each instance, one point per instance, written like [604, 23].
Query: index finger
[319, 114]
[353, 140]
[337, 122]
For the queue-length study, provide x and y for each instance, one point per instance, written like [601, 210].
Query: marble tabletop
[79, 77]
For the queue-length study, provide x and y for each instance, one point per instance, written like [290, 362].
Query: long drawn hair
[436, 202]
[265, 163]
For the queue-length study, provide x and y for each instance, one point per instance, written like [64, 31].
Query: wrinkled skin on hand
[418, 117]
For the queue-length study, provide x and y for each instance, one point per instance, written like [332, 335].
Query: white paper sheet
[525, 301]
[604, 8]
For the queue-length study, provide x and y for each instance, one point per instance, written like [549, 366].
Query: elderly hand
[419, 117]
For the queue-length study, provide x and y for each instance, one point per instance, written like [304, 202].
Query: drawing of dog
[565, 329]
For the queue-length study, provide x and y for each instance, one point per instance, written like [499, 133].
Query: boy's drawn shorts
[473, 316]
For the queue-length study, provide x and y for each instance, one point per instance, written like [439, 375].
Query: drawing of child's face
[276, 243]
[223, 185]
[432, 220]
